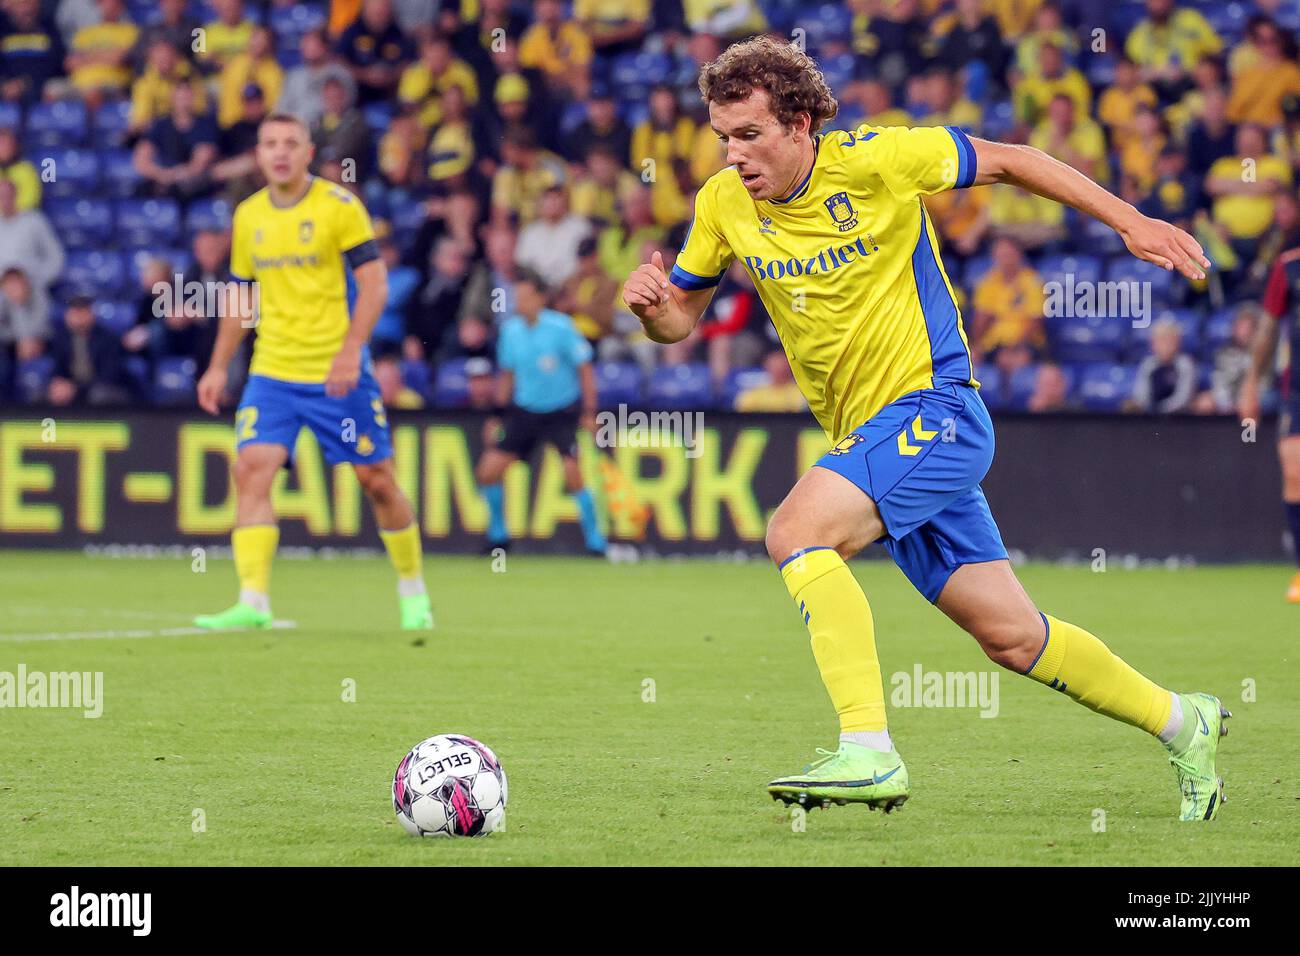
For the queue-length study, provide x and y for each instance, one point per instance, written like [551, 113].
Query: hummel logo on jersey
[765, 225]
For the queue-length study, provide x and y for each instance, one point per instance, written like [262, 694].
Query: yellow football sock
[254, 546]
[843, 635]
[1082, 667]
[404, 551]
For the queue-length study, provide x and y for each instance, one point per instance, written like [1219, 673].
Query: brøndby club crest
[842, 212]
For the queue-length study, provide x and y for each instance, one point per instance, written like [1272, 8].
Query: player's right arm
[233, 325]
[669, 307]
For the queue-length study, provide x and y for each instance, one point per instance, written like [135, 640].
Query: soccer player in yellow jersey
[833, 229]
[311, 366]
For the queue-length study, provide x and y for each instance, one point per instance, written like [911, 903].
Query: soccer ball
[450, 785]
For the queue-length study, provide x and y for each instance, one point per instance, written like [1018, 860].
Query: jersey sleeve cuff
[965, 158]
[691, 282]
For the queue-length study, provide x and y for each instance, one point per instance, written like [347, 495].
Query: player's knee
[1013, 644]
[378, 484]
[252, 477]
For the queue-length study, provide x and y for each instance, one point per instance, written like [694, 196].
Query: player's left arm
[1031, 169]
[361, 252]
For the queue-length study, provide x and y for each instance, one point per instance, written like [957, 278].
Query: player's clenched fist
[646, 289]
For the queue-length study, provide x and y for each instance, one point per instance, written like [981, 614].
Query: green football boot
[1198, 778]
[852, 774]
[237, 616]
[417, 615]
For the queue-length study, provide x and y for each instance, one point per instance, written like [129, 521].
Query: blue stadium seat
[147, 223]
[110, 124]
[113, 315]
[1057, 267]
[1229, 19]
[289, 23]
[990, 379]
[81, 223]
[213, 214]
[1097, 236]
[976, 267]
[137, 373]
[1089, 338]
[1189, 323]
[95, 272]
[1104, 387]
[1218, 330]
[75, 174]
[118, 173]
[740, 380]
[999, 119]
[33, 378]
[686, 387]
[618, 383]
[838, 70]
[1126, 268]
[173, 381]
[378, 115]
[418, 377]
[11, 115]
[451, 387]
[1021, 386]
[61, 123]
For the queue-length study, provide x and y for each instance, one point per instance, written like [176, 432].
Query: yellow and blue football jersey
[848, 267]
[296, 256]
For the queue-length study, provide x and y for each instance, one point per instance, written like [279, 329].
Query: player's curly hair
[792, 80]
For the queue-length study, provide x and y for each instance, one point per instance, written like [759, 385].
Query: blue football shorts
[921, 459]
[352, 428]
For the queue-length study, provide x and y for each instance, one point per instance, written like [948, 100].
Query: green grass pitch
[548, 663]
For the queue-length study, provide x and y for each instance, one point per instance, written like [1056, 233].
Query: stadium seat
[685, 387]
[1125, 268]
[418, 377]
[117, 171]
[60, 123]
[739, 380]
[378, 116]
[173, 381]
[1055, 268]
[81, 223]
[211, 214]
[990, 379]
[33, 378]
[1098, 237]
[95, 272]
[618, 383]
[147, 223]
[75, 173]
[1020, 386]
[1105, 387]
[1089, 338]
[1229, 19]
[11, 115]
[110, 124]
[1217, 331]
[451, 387]
[116, 316]
[289, 23]
[838, 70]
[976, 267]
[137, 373]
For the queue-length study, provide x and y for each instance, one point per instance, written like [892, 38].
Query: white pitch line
[133, 633]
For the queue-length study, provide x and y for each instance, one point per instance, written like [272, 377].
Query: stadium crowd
[486, 136]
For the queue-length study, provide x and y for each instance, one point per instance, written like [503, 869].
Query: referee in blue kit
[546, 390]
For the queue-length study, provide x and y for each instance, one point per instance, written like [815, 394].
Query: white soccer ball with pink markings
[450, 785]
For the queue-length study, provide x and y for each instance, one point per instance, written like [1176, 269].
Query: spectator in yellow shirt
[1014, 16]
[424, 81]
[596, 194]
[1243, 187]
[947, 106]
[526, 173]
[151, 94]
[1170, 41]
[1048, 28]
[1258, 91]
[780, 394]
[100, 53]
[1075, 141]
[1033, 93]
[225, 37]
[559, 48]
[614, 26]
[1030, 220]
[1141, 152]
[725, 18]
[1117, 106]
[665, 136]
[962, 218]
[257, 65]
[1008, 306]
[18, 171]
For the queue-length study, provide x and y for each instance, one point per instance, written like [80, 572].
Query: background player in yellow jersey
[834, 231]
[311, 366]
